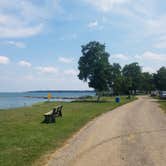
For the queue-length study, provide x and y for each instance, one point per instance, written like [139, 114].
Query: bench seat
[50, 117]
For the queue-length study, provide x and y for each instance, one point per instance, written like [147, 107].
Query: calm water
[14, 100]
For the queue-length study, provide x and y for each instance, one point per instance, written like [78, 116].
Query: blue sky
[40, 39]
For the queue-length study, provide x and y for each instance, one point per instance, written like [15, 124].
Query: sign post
[49, 96]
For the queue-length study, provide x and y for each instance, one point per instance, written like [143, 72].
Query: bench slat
[51, 115]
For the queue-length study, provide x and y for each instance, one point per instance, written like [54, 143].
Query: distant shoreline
[45, 97]
[51, 91]
[61, 91]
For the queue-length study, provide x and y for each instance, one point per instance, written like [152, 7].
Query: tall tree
[160, 79]
[132, 73]
[115, 78]
[147, 82]
[93, 66]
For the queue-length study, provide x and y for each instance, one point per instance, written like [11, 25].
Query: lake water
[14, 100]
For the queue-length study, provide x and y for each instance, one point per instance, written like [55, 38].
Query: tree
[147, 82]
[132, 74]
[160, 79]
[93, 66]
[115, 78]
[126, 85]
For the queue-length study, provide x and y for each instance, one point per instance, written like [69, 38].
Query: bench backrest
[54, 110]
[59, 108]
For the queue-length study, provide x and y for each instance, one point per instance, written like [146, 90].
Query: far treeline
[94, 68]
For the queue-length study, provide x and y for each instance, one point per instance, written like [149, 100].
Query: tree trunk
[98, 98]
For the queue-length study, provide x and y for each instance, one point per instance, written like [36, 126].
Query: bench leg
[52, 119]
[46, 120]
[49, 119]
[60, 113]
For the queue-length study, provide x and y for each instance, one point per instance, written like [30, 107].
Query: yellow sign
[49, 96]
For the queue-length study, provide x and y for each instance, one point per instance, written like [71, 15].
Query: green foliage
[160, 79]
[95, 69]
[147, 82]
[115, 78]
[132, 73]
[93, 66]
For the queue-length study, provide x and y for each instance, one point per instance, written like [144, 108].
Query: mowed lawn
[163, 104]
[24, 138]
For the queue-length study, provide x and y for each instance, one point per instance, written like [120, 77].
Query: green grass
[163, 104]
[24, 138]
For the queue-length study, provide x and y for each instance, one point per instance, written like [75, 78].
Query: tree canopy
[132, 73]
[160, 79]
[94, 68]
[147, 82]
[115, 78]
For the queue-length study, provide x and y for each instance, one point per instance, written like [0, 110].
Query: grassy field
[24, 138]
[163, 104]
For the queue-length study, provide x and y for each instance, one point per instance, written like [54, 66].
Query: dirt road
[131, 135]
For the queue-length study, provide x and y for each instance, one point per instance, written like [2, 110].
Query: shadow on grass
[162, 100]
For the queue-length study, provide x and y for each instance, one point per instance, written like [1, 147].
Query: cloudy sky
[40, 39]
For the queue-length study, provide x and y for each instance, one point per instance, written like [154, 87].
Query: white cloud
[29, 77]
[149, 69]
[19, 32]
[136, 14]
[93, 24]
[156, 26]
[9, 20]
[47, 69]
[119, 56]
[147, 56]
[71, 72]
[65, 60]
[15, 43]
[161, 44]
[4, 60]
[105, 5]
[151, 56]
[25, 63]
[25, 18]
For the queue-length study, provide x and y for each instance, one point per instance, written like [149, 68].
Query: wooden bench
[50, 117]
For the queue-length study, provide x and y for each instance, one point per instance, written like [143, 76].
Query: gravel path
[131, 135]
